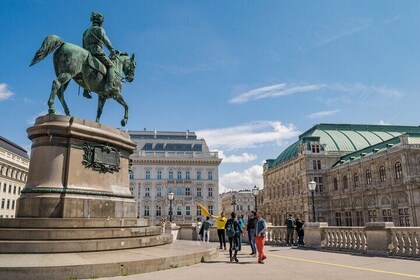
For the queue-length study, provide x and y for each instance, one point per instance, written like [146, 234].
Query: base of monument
[104, 264]
[49, 235]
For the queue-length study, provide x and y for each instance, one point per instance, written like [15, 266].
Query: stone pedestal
[78, 169]
[314, 235]
[378, 237]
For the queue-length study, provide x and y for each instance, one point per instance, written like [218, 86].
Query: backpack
[290, 223]
[230, 228]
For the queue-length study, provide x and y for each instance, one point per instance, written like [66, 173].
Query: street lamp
[255, 192]
[170, 197]
[312, 186]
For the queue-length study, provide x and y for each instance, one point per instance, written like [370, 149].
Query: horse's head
[129, 66]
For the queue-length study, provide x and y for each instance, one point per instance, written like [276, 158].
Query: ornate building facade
[363, 173]
[241, 202]
[176, 162]
[14, 166]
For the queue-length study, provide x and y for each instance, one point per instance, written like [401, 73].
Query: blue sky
[248, 76]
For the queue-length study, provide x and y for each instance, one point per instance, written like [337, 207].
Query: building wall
[13, 174]
[191, 175]
[241, 202]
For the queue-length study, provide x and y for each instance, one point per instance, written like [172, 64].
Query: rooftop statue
[89, 67]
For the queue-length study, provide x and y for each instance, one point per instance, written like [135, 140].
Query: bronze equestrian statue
[89, 68]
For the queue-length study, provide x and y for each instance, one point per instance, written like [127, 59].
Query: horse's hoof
[124, 122]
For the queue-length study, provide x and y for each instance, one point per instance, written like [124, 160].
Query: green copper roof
[345, 138]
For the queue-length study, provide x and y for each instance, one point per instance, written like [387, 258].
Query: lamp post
[312, 186]
[170, 197]
[255, 192]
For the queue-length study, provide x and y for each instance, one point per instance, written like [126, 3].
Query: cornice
[181, 161]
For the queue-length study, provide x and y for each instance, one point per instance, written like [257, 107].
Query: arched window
[398, 170]
[146, 210]
[356, 180]
[335, 184]
[345, 182]
[158, 210]
[368, 177]
[382, 174]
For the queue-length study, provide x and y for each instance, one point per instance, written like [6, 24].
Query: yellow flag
[204, 211]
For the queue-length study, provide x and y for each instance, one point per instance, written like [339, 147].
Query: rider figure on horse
[93, 40]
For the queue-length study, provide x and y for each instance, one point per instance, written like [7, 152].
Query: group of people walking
[234, 228]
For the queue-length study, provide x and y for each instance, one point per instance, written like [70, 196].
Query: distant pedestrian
[198, 229]
[250, 227]
[162, 225]
[220, 224]
[290, 224]
[260, 232]
[242, 226]
[233, 231]
[206, 229]
[300, 231]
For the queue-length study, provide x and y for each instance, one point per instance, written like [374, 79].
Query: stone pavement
[291, 263]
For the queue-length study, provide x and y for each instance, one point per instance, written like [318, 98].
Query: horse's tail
[51, 42]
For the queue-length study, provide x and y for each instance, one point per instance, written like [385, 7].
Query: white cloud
[273, 91]
[248, 135]
[244, 157]
[246, 179]
[349, 28]
[5, 92]
[321, 114]
[382, 122]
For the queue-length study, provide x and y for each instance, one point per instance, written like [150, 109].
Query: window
[210, 175]
[14, 189]
[187, 175]
[8, 204]
[210, 192]
[170, 190]
[179, 191]
[159, 192]
[319, 185]
[372, 215]
[199, 192]
[404, 217]
[398, 170]
[198, 210]
[211, 209]
[4, 187]
[131, 175]
[171, 175]
[347, 219]
[345, 182]
[179, 175]
[359, 219]
[10, 188]
[315, 148]
[147, 192]
[338, 219]
[335, 184]
[158, 210]
[368, 177]
[188, 210]
[188, 191]
[3, 201]
[198, 175]
[159, 175]
[19, 190]
[356, 180]
[13, 204]
[386, 215]
[147, 174]
[316, 164]
[179, 210]
[382, 174]
[146, 210]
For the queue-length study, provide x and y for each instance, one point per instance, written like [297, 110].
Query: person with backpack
[242, 226]
[206, 229]
[290, 224]
[250, 227]
[233, 231]
[300, 231]
[260, 232]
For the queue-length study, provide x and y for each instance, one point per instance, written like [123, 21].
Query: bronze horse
[73, 62]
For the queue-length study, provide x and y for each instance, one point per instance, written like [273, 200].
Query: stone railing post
[172, 228]
[315, 234]
[378, 237]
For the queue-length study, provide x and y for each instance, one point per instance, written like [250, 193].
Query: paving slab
[92, 265]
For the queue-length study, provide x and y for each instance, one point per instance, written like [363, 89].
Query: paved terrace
[291, 263]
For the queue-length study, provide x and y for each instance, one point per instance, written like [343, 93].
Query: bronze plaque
[102, 158]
